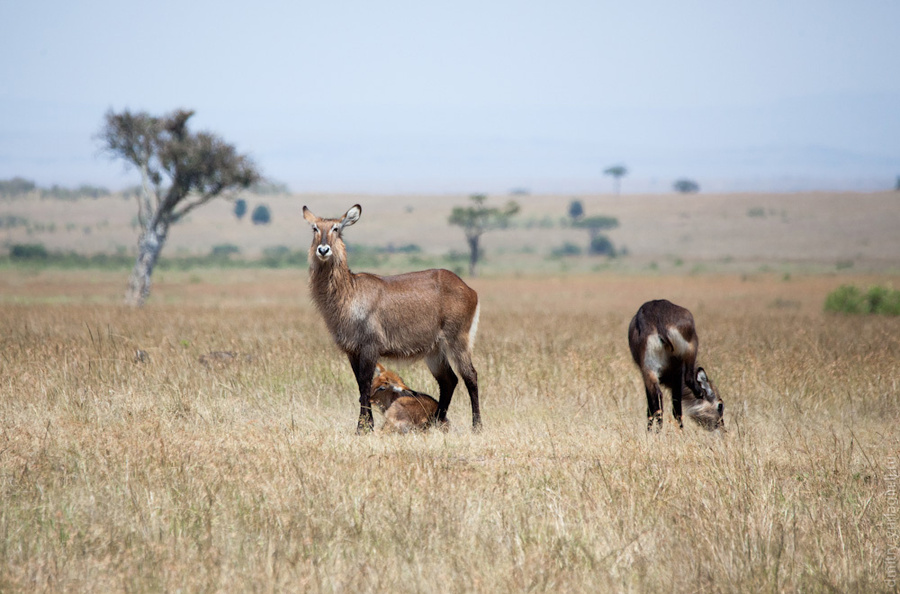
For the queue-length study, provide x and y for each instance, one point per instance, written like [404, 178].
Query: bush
[576, 209]
[240, 208]
[224, 250]
[261, 215]
[16, 186]
[851, 300]
[601, 245]
[566, 249]
[28, 251]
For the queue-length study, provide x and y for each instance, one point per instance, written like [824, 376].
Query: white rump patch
[655, 356]
[474, 328]
[679, 344]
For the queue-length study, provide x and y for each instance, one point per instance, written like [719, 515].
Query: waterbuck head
[327, 245]
[707, 410]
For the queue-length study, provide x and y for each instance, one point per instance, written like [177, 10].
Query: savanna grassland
[156, 472]
[162, 474]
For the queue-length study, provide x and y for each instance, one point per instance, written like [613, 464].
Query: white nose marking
[324, 250]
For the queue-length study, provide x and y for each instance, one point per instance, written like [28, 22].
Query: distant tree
[686, 186]
[576, 209]
[240, 208]
[617, 172]
[478, 219]
[180, 170]
[599, 244]
[897, 187]
[261, 215]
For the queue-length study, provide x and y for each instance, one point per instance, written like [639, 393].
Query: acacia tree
[599, 244]
[180, 170]
[617, 172]
[686, 186]
[476, 220]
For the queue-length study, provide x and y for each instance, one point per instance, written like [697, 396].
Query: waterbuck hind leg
[364, 368]
[471, 381]
[470, 378]
[654, 402]
[447, 381]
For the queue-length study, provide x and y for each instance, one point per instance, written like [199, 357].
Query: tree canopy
[686, 186]
[617, 172]
[477, 219]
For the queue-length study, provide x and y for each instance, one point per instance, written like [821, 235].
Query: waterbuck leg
[676, 401]
[465, 368]
[446, 379]
[654, 402]
[364, 369]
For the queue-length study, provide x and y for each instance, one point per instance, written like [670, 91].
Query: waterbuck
[431, 314]
[663, 342]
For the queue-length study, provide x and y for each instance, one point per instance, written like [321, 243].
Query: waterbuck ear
[351, 216]
[309, 216]
[703, 380]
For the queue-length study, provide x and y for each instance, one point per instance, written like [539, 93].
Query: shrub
[224, 250]
[28, 251]
[852, 300]
[261, 215]
[576, 209]
[601, 245]
[846, 299]
[240, 208]
[566, 249]
[16, 186]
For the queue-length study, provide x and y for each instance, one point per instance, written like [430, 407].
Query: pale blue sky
[469, 96]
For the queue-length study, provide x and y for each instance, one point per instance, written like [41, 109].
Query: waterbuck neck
[332, 288]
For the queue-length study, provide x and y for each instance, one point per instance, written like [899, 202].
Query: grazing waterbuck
[431, 314]
[404, 409]
[664, 344]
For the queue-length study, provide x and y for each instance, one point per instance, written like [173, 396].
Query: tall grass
[117, 474]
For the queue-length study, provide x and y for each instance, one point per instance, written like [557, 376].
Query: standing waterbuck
[431, 314]
[663, 342]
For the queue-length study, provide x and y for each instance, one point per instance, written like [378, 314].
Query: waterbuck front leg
[677, 389]
[363, 365]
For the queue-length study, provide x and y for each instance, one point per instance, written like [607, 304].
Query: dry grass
[165, 475]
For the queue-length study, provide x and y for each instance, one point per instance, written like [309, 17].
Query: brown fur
[430, 314]
[664, 345]
[404, 409]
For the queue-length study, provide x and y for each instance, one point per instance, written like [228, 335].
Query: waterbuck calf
[404, 409]
[663, 342]
[430, 314]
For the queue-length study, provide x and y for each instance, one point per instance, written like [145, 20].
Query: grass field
[165, 475]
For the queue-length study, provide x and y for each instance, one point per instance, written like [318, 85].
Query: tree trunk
[149, 246]
[473, 254]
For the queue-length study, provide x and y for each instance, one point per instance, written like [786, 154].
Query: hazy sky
[463, 96]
